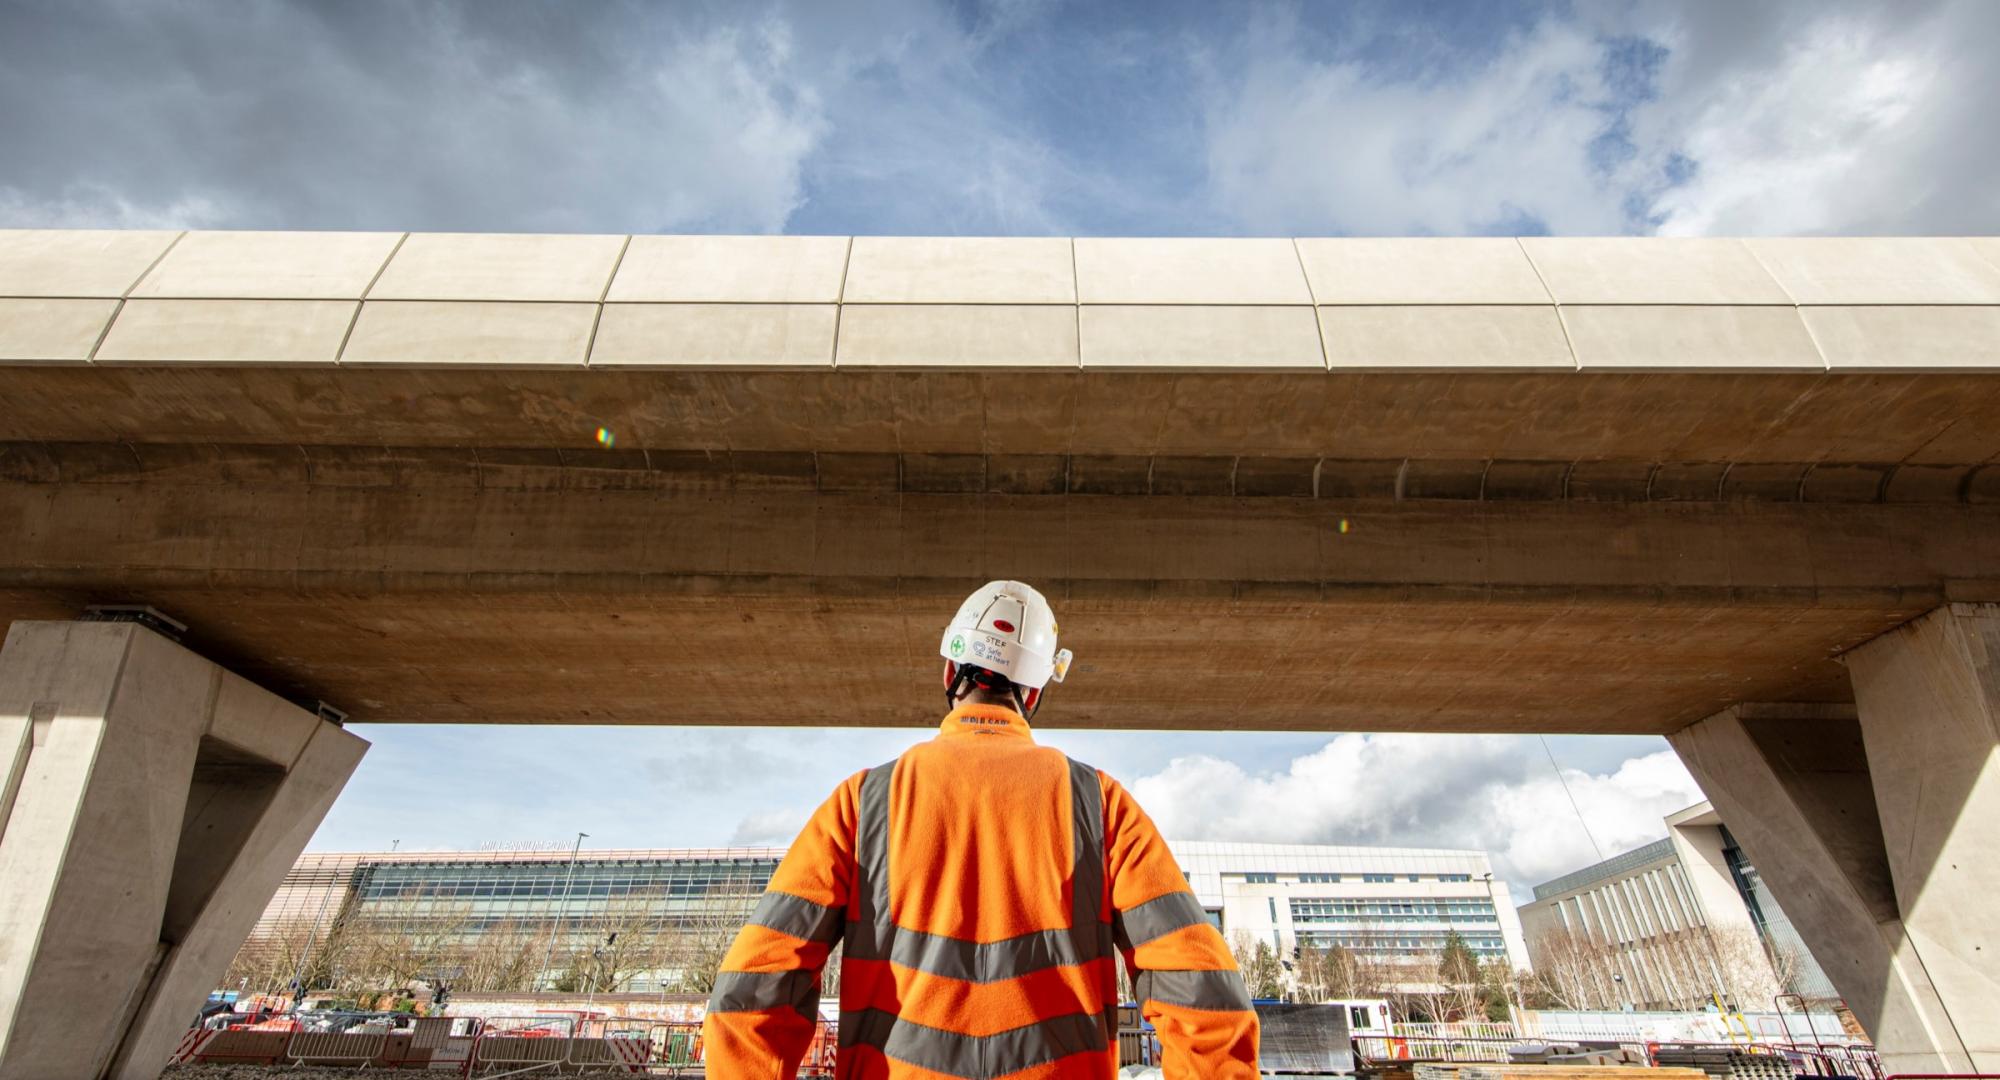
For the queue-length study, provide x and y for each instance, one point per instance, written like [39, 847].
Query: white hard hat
[1007, 628]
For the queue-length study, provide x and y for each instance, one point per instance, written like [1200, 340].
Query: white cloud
[86, 205]
[1359, 145]
[770, 828]
[1739, 119]
[1859, 120]
[1492, 792]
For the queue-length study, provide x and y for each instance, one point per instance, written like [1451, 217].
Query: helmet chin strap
[966, 675]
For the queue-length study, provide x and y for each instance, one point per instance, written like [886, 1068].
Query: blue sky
[1015, 117]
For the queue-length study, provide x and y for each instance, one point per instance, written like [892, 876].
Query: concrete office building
[1675, 923]
[1384, 902]
[1739, 493]
[1381, 902]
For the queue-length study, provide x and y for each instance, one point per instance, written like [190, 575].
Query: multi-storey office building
[1379, 901]
[1674, 924]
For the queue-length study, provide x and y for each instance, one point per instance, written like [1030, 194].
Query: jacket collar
[972, 719]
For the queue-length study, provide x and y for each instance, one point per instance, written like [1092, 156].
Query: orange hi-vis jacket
[981, 883]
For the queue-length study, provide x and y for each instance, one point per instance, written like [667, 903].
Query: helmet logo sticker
[958, 646]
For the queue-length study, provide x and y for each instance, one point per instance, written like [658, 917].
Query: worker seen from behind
[985, 888]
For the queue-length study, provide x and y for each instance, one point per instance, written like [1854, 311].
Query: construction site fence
[354, 1040]
[491, 1047]
[1413, 1043]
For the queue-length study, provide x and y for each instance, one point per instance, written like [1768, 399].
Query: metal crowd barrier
[356, 1048]
[531, 1042]
[676, 1047]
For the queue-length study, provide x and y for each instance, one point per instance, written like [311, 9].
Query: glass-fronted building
[664, 888]
[1377, 901]
[1669, 923]
[1383, 902]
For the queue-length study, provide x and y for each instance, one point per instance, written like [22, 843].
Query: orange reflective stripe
[760, 948]
[1190, 948]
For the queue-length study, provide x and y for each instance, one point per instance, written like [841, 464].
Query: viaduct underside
[1745, 494]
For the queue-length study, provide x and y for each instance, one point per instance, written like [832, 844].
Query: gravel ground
[306, 1072]
[270, 1072]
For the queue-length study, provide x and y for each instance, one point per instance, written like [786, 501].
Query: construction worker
[981, 883]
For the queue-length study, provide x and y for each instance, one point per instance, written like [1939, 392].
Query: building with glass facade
[1380, 901]
[1383, 902]
[1669, 920]
[474, 892]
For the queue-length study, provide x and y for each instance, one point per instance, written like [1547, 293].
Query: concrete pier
[153, 802]
[1879, 828]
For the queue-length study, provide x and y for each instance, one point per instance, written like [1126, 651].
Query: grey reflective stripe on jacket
[975, 1057]
[1214, 991]
[756, 991]
[796, 916]
[1156, 918]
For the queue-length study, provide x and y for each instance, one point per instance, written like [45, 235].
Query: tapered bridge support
[152, 803]
[1878, 827]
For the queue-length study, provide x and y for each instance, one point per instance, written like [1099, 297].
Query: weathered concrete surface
[1875, 824]
[511, 586]
[1591, 485]
[1929, 696]
[154, 803]
[1791, 782]
[1914, 418]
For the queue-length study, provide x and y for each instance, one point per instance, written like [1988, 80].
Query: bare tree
[1571, 970]
[1258, 963]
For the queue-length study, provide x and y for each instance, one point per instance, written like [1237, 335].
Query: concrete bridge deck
[1715, 489]
[1589, 485]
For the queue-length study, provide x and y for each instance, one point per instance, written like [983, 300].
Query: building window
[1274, 909]
[1378, 879]
[1415, 877]
[1454, 877]
[1260, 879]
[1320, 879]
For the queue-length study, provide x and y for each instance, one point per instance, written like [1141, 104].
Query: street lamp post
[561, 912]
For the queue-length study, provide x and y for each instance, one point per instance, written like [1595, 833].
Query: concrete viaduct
[1745, 494]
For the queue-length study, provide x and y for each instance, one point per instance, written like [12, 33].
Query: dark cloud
[1010, 116]
[494, 116]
